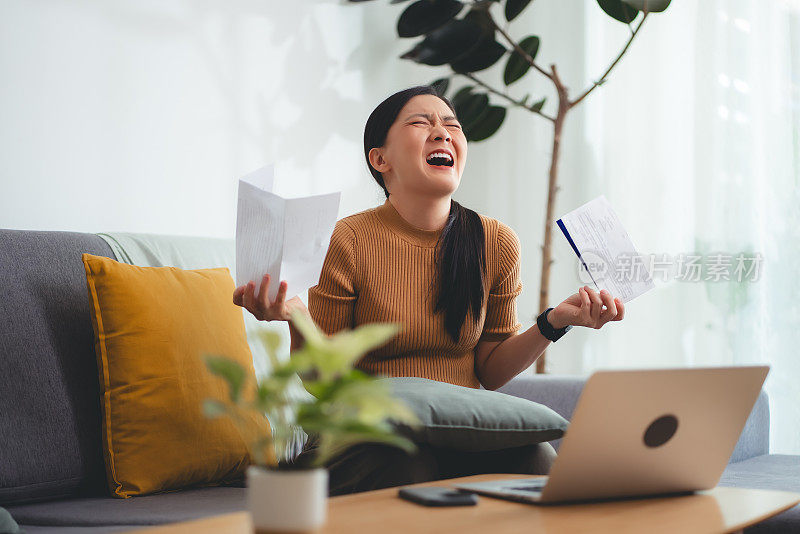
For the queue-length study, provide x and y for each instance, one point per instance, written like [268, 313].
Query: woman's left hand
[587, 308]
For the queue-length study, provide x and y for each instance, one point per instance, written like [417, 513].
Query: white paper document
[286, 238]
[608, 258]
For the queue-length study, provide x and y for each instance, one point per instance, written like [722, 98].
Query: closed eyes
[449, 125]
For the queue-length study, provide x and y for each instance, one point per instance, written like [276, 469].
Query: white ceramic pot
[287, 501]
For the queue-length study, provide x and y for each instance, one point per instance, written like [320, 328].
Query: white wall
[140, 115]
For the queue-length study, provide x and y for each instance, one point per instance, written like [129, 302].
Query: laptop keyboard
[534, 486]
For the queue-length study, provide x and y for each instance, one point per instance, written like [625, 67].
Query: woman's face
[424, 128]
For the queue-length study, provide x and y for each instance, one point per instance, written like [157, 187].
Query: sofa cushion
[153, 326]
[153, 509]
[49, 395]
[188, 252]
[558, 392]
[773, 472]
[475, 420]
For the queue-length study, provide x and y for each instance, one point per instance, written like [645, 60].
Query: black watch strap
[547, 329]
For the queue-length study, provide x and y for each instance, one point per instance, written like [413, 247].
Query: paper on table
[606, 252]
[286, 238]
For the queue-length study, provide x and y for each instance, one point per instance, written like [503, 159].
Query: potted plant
[344, 406]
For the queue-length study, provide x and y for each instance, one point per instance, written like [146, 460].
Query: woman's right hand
[259, 305]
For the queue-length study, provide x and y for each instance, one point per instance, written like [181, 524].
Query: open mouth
[439, 159]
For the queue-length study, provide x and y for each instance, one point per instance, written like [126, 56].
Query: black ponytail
[460, 254]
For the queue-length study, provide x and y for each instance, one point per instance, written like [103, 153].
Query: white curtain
[696, 142]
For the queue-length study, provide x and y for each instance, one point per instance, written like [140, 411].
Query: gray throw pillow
[474, 420]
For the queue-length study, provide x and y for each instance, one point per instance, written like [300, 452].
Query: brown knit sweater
[378, 269]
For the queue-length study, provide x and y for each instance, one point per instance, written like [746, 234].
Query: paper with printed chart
[286, 238]
[608, 258]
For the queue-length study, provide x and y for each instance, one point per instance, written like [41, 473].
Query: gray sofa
[52, 477]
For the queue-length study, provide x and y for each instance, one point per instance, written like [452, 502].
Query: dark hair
[460, 254]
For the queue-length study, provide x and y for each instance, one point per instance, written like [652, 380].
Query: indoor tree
[465, 36]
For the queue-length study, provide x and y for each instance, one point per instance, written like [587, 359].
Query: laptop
[637, 433]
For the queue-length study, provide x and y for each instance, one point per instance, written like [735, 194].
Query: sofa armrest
[754, 440]
[561, 393]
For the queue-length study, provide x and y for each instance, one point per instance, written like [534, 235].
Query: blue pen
[560, 224]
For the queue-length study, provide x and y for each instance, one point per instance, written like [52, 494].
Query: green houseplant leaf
[447, 43]
[342, 405]
[311, 334]
[461, 95]
[488, 124]
[483, 56]
[231, 371]
[213, 408]
[514, 8]
[517, 66]
[481, 17]
[648, 6]
[472, 109]
[441, 85]
[424, 16]
[538, 105]
[618, 10]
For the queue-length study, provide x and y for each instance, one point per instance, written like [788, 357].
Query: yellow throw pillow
[153, 325]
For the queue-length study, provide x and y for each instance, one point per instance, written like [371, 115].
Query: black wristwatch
[547, 329]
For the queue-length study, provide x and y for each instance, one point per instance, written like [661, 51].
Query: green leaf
[446, 44]
[618, 10]
[538, 105]
[648, 6]
[369, 402]
[260, 450]
[233, 373]
[488, 124]
[441, 85]
[482, 18]
[517, 66]
[424, 16]
[271, 341]
[462, 94]
[482, 57]
[352, 344]
[304, 324]
[343, 436]
[213, 408]
[515, 7]
[472, 109]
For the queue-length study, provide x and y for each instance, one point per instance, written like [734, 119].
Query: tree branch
[608, 70]
[505, 96]
[560, 87]
[518, 48]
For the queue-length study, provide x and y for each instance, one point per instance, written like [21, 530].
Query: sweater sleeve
[331, 301]
[501, 308]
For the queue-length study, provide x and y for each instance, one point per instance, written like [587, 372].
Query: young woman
[448, 274]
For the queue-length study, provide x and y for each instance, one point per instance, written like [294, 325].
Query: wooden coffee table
[382, 511]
